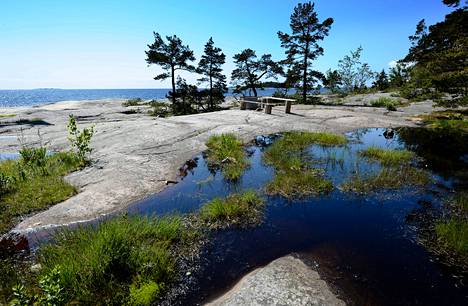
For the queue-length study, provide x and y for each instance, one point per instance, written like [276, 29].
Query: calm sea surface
[30, 97]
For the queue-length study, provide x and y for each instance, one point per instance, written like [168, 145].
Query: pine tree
[210, 67]
[171, 56]
[302, 44]
[381, 82]
[250, 70]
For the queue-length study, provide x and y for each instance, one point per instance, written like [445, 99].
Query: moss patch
[449, 120]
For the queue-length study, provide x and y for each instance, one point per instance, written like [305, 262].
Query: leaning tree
[302, 44]
[171, 55]
[250, 69]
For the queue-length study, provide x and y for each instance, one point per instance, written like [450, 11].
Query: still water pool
[363, 245]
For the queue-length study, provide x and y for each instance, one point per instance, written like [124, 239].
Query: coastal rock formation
[285, 281]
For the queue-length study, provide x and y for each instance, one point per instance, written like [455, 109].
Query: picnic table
[268, 103]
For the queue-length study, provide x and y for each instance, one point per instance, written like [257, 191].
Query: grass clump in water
[227, 151]
[294, 174]
[299, 184]
[452, 235]
[236, 209]
[127, 259]
[388, 157]
[387, 178]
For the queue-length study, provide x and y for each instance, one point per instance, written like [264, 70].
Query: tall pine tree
[302, 44]
[171, 56]
[210, 67]
[251, 69]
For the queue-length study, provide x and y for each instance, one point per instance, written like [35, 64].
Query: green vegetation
[132, 102]
[387, 178]
[126, 259]
[159, 109]
[237, 209]
[449, 120]
[7, 115]
[388, 103]
[291, 184]
[452, 235]
[302, 46]
[227, 151]
[294, 174]
[33, 182]
[452, 232]
[80, 140]
[438, 59]
[32, 121]
[388, 157]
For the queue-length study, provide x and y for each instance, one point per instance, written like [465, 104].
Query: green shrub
[239, 209]
[80, 140]
[34, 156]
[227, 151]
[388, 103]
[132, 102]
[159, 109]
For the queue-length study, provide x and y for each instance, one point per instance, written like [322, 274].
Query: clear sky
[101, 44]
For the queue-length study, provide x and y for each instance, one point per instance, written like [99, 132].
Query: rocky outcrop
[285, 281]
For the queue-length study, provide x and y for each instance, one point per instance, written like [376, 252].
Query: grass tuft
[227, 152]
[123, 259]
[452, 235]
[236, 209]
[387, 178]
[29, 185]
[388, 103]
[299, 184]
[295, 176]
[388, 157]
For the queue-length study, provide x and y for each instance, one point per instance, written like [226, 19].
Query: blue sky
[101, 44]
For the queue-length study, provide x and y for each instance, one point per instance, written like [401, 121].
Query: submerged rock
[285, 281]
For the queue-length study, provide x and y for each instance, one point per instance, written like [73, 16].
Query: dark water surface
[362, 244]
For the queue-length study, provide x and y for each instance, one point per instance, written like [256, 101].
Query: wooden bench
[267, 103]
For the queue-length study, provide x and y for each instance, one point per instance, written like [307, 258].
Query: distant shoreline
[36, 97]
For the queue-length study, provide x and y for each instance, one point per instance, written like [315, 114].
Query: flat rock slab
[285, 281]
[134, 153]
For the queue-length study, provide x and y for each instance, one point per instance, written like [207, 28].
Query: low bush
[132, 102]
[388, 103]
[80, 140]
